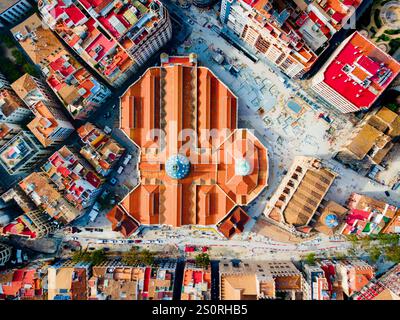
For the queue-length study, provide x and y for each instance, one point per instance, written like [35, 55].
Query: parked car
[113, 181]
[120, 170]
[107, 130]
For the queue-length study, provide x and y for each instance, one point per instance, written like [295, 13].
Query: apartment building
[141, 26]
[74, 177]
[94, 45]
[4, 83]
[7, 132]
[27, 283]
[99, 149]
[254, 280]
[354, 275]
[5, 253]
[196, 284]
[299, 203]
[371, 141]
[386, 287]
[115, 37]
[34, 224]
[291, 34]
[321, 281]
[77, 89]
[368, 216]
[355, 75]
[31, 90]
[22, 153]
[11, 11]
[67, 280]
[50, 126]
[45, 195]
[113, 280]
[12, 108]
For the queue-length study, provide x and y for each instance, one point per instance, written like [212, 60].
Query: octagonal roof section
[179, 115]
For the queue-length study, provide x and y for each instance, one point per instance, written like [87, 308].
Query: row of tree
[132, 257]
[376, 246]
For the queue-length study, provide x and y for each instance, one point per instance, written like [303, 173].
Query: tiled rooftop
[72, 83]
[38, 187]
[368, 216]
[99, 149]
[80, 31]
[209, 191]
[73, 176]
[360, 71]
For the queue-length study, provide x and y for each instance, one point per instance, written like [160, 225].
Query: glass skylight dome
[331, 220]
[177, 166]
[242, 167]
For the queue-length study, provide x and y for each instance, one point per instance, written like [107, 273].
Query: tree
[95, 257]
[147, 257]
[7, 40]
[134, 256]
[310, 258]
[392, 253]
[28, 68]
[79, 256]
[203, 260]
[340, 256]
[18, 56]
[131, 257]
[374, 254]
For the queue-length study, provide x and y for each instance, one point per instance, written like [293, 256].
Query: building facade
[290, 35]
[368, 216]
[196, 284]
[34, 224]
[42, 192]
[50, 126]
[255, 280]
[386, 287]
[11, 11]
[114, 280]
[12, 108]
[32, 90]
[5, 253]
[7, 132]
[22, 153]
[354, 275]
[371, 141]
[322, 281]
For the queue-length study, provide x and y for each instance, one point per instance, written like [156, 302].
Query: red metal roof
[360, 51]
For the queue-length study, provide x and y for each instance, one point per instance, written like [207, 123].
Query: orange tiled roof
[180, 95]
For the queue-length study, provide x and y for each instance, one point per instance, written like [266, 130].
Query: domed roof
[331, 220]
[177, 166]
[242, 167]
